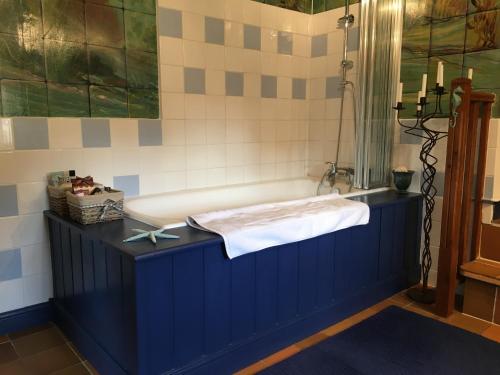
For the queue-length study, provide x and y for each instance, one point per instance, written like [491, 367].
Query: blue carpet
[396, 341]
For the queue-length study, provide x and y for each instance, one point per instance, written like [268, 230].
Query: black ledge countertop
[113, 233]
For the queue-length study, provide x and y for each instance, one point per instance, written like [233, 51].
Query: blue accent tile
[170, 22]
[299, 88]
[333, 89]
[410, 139]
[285, 43]
[194, 81]
[95, 133]
[319, 45]
[438, 182]
[269, 87]
[8, 201]
[30, 133]
[214, 30]
[353, 41]
[128, 184]
[488, 187]
[150, 133]
[10, 265]
[234, 84]
[251, 37]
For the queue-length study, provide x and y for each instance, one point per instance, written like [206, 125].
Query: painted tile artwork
[78, 58]
[461, 33]
[308, 6]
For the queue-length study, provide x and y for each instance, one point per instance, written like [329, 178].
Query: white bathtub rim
[182, 223]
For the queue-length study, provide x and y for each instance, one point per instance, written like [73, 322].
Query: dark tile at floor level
[51, 360]
[14, 368]
[7, 353]
[78, 369]
[37, 342]
[29, 331]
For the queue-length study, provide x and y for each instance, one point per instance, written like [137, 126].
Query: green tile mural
[307, 6]
[461, 33]
[78, 58]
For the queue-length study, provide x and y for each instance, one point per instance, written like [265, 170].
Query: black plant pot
[402, 180]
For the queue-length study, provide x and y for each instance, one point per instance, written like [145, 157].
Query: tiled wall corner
[229, 115]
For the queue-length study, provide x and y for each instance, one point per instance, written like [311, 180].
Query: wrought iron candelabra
[420, 128]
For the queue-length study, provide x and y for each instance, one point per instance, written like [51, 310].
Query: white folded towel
[254, 228]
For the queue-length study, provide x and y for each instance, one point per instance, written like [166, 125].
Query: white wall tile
[174, 158]
[173, 106]
[214, 56]
[269, 42]
[193, 26]
[125, 161]
[37, 288]
[36, 259]
[234, 10]
[196, 132]
[215, 107]
[234, 34]
[215, 80]
[65, 133]
[172, 78]
[171, 51]
[124, 133]
[194, 54]
[216, 131]
[11, 295]
[195, 106]
[32, 197]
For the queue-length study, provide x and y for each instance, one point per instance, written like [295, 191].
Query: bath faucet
[331, 174]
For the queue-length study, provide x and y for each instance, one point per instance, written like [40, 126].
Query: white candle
[419, 95]
[440, 75]
[399, 95]
[424, 85]
[469, 73]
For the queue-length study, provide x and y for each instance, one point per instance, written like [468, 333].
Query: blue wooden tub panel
[193, 311]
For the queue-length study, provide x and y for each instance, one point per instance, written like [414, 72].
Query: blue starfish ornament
[152, 235]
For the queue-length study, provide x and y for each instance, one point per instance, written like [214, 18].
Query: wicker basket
[99, 208]
[57, 200]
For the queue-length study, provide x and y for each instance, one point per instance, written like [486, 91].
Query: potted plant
[402, 178]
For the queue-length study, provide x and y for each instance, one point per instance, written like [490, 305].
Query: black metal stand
[424, 293]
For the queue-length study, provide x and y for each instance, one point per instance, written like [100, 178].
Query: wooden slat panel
[242, 297]
[308, 267]
[326, 269]
[266, 288]
[217, 299]
[288, 266]
[67, 263]
[343, 266]
[57, 265]
[386, 242]
[155, 315]
[188, 305]
[398, 260]
[129, 327]
[76, 256]
[116, 334]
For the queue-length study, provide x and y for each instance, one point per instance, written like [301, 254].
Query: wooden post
[460, 226]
